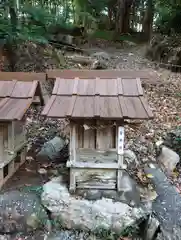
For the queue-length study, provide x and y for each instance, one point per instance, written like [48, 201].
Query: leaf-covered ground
[164, 99]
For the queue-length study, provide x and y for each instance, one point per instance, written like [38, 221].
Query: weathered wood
[120, 149]
[105, 137]
[72, 186]
[96, 155]
[8, 169]
[96, 178]
[89, 138]
[95, 185]
[92, 165]
[79, 137]
[18, 135]
[1, 143]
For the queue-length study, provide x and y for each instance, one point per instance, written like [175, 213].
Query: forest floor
[163, 98]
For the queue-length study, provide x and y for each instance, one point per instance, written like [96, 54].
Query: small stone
[42, 171]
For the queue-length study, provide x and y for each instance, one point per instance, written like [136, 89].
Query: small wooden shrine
[15, 99]
[97, 110]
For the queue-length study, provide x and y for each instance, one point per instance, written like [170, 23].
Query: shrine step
[8, 170]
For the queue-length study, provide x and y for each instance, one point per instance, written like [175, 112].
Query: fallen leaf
[149, 175]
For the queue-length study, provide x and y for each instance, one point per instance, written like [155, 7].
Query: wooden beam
[92, 165]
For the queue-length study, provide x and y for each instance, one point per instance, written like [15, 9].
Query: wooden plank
[19, 134]
[48, 105]
[87, 165]
[56, 86]
[33, 89]
[10, 136]
[3, 102]
[79, 137]
[84, 107]
[21, 89]
[75, 86]
[58, 107]
[130, 87]
[135, 108]
[72, 184]
[95, 185]
[66, 87]
[86, 87]
[12, 168]
[104, 137]
[110, 108]
[119, 86]
[6, 88]
[96, 178]
[1, 143]
[22, 76]
[112, 89]
[139, 87]
[101, 87]
[146, 107]
[96, 106]
[114, 109]
[5, 136]
[71, 106]
[89, 138]
[145, 75]
[95, 155]
[73, 99]
[120, 149]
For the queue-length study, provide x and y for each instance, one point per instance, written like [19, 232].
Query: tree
[123, 15]
[148, 19]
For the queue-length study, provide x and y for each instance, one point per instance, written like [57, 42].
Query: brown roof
[22, 76]
[145, 75]
[15, 98]
[112, 99]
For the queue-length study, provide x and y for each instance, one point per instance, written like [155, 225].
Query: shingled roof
[145, 75]
[110, 99]
[16, 97]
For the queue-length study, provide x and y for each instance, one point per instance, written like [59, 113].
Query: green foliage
[168, 17]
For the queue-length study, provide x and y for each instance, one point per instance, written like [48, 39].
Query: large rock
[20, 211]
[167, 206]
[51, 149]
[76, 213]
[168, 159]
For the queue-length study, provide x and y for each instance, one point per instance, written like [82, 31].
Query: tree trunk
[11, 45]
[148, 19]
[123, 16]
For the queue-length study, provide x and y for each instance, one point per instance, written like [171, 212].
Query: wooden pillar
[120, 151]
[72, 186]
[10, 136]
